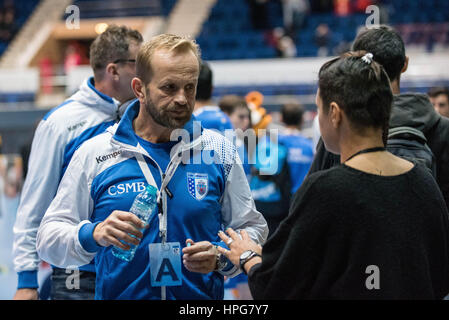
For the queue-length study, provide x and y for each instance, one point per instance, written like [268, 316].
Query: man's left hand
[200, 257]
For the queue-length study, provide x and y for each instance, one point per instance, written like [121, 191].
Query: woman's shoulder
[327, 178]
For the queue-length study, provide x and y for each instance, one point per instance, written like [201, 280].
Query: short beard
[161, 117]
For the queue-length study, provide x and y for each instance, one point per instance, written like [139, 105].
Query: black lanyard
[376, 149]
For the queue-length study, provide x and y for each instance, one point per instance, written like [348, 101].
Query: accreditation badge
[165, 264]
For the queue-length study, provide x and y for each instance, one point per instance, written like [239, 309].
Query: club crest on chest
[197, 184]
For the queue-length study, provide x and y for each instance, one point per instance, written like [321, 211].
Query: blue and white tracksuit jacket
[85, 114]
[104, 175]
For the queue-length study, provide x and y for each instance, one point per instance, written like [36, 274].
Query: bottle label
[165, 264]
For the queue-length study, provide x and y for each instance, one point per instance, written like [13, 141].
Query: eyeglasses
[124, 60]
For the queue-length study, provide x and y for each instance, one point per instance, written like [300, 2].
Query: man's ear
[138, 88]
[335, 114]
[111, 70]
[404, 69]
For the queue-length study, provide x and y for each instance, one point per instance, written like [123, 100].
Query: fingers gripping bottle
[142, 207]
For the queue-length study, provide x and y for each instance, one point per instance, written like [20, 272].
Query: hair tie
[368, 58]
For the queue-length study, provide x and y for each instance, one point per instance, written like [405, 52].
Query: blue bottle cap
[151, 189]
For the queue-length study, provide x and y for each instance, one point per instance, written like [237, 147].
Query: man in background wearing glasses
[98, 104]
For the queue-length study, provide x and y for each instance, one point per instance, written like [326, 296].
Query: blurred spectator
[9, 23]
[8, 27]
[342, 8]
[210, 115]
[46, 73]
[9, 6]
[3, 32]
[237, 110]
[322, 39]
[72, 57]
[299, 148]
[273, 38]
[440, 100]
[283, 43]
[295, 13]
[240, 115]
[259, 14]
[13, 178]
[286, 47]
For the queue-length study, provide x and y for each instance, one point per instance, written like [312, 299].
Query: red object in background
[46, 72]
[361, 5]
[342, 8]
[73, 57]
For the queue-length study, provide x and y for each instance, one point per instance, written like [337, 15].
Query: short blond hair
[169, 42]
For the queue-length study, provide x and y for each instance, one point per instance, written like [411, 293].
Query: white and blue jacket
[104, 175]
[85, 114]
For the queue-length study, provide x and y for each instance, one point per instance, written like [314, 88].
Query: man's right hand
[26, 294]
[117, 227]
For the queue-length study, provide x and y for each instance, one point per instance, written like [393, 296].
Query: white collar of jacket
[88, 95]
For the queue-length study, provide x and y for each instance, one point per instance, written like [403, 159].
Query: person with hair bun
[373, 227]
[411, 110]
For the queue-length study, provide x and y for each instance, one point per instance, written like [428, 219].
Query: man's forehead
[173, 60]
[166, 65]
[442, 96]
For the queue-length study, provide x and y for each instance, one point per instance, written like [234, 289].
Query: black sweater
[341, 222]
[416, 111]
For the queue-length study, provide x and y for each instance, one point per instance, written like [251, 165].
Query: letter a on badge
[165, 264]
[166, 269]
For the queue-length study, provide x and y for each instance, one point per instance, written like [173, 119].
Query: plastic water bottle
[142, 207]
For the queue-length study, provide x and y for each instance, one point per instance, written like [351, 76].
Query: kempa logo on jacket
[112, 155]
[76, 126]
